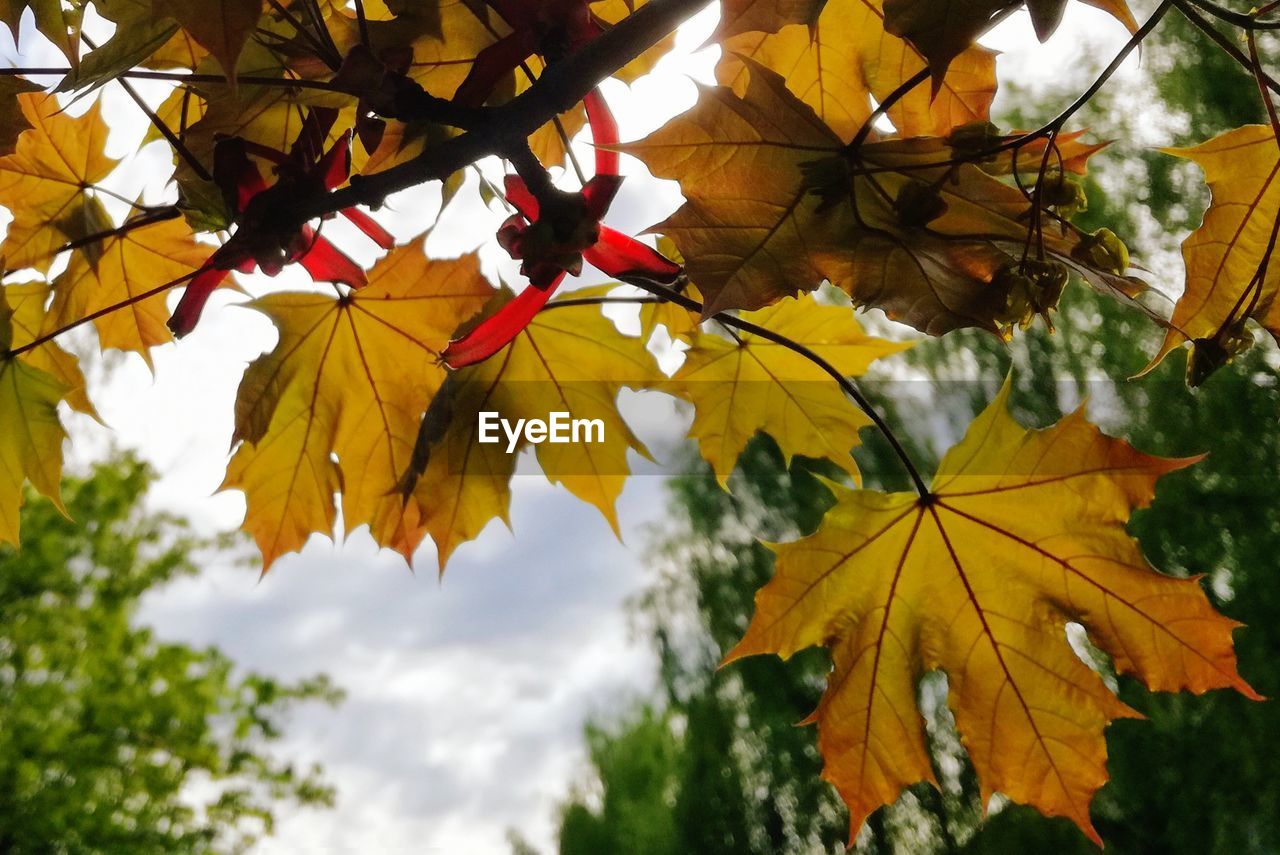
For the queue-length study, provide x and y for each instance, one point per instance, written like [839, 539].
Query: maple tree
[848, 142]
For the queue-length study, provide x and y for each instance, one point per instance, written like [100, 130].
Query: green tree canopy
[112, 740]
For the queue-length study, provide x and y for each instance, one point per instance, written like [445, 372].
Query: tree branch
[563, 85]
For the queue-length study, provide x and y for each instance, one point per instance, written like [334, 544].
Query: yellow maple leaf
[219, 26]
[334, 408]
[31, 434]
[678, 320]
[943, 30]
[742, 385]
[764, 16]
[126, 269]
[31, 320]
[569, 359]
[1022, 533]
[845, 64]
[1223, 255]
[43, 182]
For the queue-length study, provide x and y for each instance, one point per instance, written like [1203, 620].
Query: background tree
[112, 740]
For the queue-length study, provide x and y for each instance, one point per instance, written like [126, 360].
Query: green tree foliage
[112, 740]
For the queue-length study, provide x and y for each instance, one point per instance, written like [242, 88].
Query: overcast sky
[465, 697]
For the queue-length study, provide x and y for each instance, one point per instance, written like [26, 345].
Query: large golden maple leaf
[1021, 533]
[334, 408]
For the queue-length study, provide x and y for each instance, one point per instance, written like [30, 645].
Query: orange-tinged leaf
[1223, 255]
[764, 16]
[334, 408]
[1071, 153]
[128, 267]
[43, 182]
[570, 360]
[220, 26]
[743, 250]
[31, 434]
[1023, 532]
[811, 216]
[943, 29]
[750, 384]
[846, 64]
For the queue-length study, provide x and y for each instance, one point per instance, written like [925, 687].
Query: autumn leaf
[930, 243]
[744, 384]
[1224, 255]
[30, 320]
[743, 251]
[943, 29]
[44, 180]
[1069, 152]
[57, 21]
[12, 120]
[31, 434]
[334, 408]
[845, 64]
[611, 12]
[1022, 533]
[764, 16]
[569, 359]
[127, 269]
[220, 26]
[140, 33]
[266, 114]
[678, 321]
